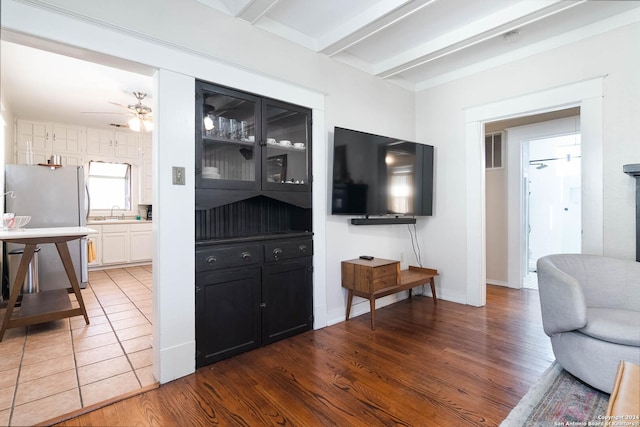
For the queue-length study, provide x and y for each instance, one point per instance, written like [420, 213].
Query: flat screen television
[377, 175]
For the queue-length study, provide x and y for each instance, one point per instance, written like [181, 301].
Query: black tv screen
[379, 175]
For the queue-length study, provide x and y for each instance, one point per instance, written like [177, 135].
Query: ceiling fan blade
[119, 105]
[103, 112]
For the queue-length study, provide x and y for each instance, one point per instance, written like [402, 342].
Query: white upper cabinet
[38, 141]
[106, 143]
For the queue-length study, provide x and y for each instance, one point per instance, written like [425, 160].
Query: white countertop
[30, 233]
[117, 221]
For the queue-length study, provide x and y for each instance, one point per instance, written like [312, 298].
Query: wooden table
[376, 278]
[43, 306]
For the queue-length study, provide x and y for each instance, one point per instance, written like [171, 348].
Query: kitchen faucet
[112, 207]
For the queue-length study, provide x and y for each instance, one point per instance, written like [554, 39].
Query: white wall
[187, 40]
[496, 202]
[440, 120]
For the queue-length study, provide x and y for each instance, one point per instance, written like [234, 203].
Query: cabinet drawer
[115, 228]
[384, 282]
[140, 227]
[385, 270]
[278, 251]
[236, 256]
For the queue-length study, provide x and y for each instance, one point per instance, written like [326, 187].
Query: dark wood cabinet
[253, 215]
[221, 296]
[287, 295]
[246, 142]
[248, 295]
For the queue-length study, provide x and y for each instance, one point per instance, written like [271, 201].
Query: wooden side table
[376, 278]
[43, 306]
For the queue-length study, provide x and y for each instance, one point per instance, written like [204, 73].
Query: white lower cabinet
[115, 244]
[122, 243]
[96, 239]
[141, 242]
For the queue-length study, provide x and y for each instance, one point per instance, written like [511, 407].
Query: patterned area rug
[559, 399]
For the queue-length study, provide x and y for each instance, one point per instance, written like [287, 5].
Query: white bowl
[19, 222]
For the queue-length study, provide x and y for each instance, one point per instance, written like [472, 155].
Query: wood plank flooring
[442, 365]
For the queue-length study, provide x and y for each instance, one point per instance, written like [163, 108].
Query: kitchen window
[109, 185]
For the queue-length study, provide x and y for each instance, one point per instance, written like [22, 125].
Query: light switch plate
[178, 175]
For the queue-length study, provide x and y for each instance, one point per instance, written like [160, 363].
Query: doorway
[544, 163]
[119, 338]
[553, 203]
[533, 178]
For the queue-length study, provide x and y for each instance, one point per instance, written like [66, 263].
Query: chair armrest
[562, 301]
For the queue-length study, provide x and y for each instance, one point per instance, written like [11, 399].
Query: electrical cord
[415, 244]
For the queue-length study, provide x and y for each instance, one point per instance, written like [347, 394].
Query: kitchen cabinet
[122, 242]
[115, 244]
[108, 144]
[46, 139]
[251, 294]
[141, 242]
[97, 245]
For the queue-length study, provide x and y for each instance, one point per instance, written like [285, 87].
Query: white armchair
[591, 311]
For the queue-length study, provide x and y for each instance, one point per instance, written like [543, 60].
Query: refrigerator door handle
[86, 189]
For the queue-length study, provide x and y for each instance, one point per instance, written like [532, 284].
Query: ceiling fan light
[148, 126]
[134, 124]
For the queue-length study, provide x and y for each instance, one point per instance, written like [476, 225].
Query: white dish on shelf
[299, 145]
[271, 141]
[285, 142]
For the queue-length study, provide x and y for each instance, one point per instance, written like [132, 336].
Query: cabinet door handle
[277, 252]
[246, 256]
[211, 259]
[302, 248]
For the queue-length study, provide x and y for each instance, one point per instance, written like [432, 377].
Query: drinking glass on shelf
[222, 128]
[243, 130]
[233, 129]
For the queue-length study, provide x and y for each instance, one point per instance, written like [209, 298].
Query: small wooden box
[369, 277]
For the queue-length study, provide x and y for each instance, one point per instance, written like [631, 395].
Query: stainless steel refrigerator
[53, 198]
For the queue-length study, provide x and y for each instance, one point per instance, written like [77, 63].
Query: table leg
[349, 300]
[14, 291]
[65, 256]
[433, 290]
[372, 305]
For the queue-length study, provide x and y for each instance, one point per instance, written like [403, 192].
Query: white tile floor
[54, 368]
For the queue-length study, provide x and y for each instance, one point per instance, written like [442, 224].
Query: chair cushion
[613, 325]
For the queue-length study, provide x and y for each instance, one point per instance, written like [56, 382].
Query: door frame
[586, 94]
[517, 140]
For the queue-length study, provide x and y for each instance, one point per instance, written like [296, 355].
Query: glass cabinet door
[227, 127]
[286, 160]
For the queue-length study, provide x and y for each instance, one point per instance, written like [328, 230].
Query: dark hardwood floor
[424, 365]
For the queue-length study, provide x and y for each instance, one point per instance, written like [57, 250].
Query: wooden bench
[376, 278]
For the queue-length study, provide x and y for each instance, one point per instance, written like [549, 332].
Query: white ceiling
[419, 43]
[40, 85]
[413, 43]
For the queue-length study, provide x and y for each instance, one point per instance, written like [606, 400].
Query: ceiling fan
[142, 117]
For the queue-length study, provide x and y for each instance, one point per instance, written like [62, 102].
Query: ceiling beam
[511, 18]
[376, 18]
[256, 9]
